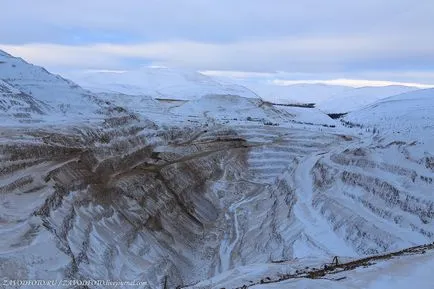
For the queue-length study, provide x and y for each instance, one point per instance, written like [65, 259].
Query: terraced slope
[236, 184]
[16, 104]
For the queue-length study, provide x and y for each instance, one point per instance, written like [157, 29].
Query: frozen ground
[400, 271]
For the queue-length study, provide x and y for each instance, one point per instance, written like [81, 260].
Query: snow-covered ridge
[159, 83]
[328, 98]
[296, 93]
[354, 99]
[167, 83]
[16, 104]
[58, 95]
[405, 117]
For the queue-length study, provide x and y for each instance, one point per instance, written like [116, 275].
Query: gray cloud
[316, 54]
[223, 19]
[310, 36]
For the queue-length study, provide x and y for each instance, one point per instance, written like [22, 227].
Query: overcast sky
[310, 39]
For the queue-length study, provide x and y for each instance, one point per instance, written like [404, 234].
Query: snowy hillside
[51, 95]
[406, 117]
[403, 269]
[357, 98]
[140, 104]
[165, 83]
[328, 98]
[158, 83]
[14, 103]
[297, 93]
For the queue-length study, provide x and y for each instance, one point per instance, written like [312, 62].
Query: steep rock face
[81, 186]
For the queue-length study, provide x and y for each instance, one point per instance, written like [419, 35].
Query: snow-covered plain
[212, 189]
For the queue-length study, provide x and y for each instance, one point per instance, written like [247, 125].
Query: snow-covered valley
[207, 186]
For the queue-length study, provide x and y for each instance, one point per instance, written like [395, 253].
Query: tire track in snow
[316, 228]
[226, 248]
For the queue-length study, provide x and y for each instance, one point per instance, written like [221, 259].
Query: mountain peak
[26, 87]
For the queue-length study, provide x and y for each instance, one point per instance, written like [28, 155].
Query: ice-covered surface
[216, 188]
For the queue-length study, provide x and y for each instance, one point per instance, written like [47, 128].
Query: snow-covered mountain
[405, 119]
[296, 93]
[221, 191]
[406, 115]
[328, 98]
[354, 99]
[229, 108]
[14, 103]
[38, 95]
[165, 83]
[159, 82]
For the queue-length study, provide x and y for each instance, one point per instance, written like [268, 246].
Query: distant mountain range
[189, 85]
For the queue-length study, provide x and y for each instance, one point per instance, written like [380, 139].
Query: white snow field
[398, 272]
[159, 82]
[209, 187]
[357, 98]
[407, 117]
[296, 93]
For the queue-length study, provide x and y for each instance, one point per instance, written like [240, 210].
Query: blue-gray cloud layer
[253, 35]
